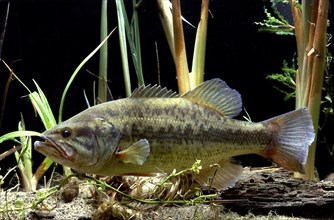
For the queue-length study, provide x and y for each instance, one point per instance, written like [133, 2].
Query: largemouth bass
[157, 131]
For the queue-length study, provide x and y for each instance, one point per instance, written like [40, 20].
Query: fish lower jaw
[46, 146]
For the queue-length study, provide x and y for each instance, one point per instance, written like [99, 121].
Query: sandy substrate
[82, 201]
[85, 208]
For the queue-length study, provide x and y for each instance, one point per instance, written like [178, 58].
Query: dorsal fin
[216, 94]
[153, 92]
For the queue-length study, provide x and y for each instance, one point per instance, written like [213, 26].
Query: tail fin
[292, 133]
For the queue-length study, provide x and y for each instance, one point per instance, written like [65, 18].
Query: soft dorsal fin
[153, 92]
[216, 94]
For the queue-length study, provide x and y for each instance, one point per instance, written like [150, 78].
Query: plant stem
[166, 19]
[181, 63]
[311, 46]
[42, 168]
[136, 34]
[297, 20]
[317, 54]
[5, 93]
[197, 70]
[132, 35]
[103, 68]
[123, 46]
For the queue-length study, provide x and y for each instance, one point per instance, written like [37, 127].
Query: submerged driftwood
[276, 190]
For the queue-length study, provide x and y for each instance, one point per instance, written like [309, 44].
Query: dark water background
[46, 40]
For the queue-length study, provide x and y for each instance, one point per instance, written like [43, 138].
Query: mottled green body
[179, 132]
[156, 131]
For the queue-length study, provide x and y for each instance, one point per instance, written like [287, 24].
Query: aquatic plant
[275, 23]
[103, 65]
[43, 109]
[172, 25]
[128, 31]
[310, 28]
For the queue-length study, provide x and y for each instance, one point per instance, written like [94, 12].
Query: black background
[46, 41]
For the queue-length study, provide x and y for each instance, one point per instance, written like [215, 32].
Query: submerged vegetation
[306, 76]
[129, 31]
[302, 79]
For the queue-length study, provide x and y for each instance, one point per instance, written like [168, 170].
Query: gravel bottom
[18, 205]
[78, 200]
[85, 206]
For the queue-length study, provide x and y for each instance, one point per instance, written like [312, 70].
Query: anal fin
[222, 175]
[136, 153]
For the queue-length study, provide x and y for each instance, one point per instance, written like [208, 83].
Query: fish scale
[157, 131]
[190, 132]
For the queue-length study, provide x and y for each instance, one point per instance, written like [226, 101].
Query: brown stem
[316, 54]
[297, 20]
[309, 56]
[181, 63]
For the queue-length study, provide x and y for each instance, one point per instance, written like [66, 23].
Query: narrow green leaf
[16, 134]
[137, 43]
[166, 19]
[24, 159]
[61, 106]
[121, 12]
[43, 167]
[198, 64]
[121, 15]
[43, 108]
[103, 68]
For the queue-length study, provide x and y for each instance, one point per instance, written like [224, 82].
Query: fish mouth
[48, 146]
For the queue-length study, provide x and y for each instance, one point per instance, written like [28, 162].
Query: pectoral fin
[222, 175]
[136, 153]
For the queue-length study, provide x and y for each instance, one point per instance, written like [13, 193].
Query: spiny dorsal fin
[153, 92]
[216, 94]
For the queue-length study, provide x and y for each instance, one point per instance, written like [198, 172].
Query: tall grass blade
[44, 111]
[5, 92]
[181, 62]
[103, 66]
[121, 14]
[4, 28]
[42, 107]
[43, 167]
[4, 97]
[136, 33]
[132, 39]
[166, 19]
[86, 99]
[24, 158]
[198, 64]
[14, 134]
[61, 106]
[18, 79]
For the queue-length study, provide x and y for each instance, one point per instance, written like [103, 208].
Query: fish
[156, 130]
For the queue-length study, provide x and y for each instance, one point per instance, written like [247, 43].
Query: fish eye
[66, 132]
